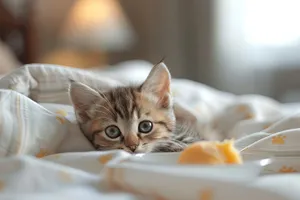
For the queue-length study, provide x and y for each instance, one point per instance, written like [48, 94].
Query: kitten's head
[128, 118]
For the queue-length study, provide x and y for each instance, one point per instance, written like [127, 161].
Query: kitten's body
[136, 119]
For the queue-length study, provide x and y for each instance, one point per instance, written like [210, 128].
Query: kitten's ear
[158, 83]
[82, 97]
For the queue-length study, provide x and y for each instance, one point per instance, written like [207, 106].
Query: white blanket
[38, 127]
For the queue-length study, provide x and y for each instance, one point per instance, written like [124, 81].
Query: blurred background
[239, 46]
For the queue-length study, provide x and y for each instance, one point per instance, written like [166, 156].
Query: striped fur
[126, 107]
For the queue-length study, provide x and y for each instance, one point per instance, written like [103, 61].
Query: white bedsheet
[37, 128]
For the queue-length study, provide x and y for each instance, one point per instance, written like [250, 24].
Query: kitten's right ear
[82, 97]
[158, 83]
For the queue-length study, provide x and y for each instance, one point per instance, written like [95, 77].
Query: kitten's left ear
[158, 83]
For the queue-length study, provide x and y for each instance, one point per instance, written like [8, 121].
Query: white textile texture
[43, 154]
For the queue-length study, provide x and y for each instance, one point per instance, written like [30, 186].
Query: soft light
[98, 25]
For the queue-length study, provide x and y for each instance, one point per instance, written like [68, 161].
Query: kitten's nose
[132, 147]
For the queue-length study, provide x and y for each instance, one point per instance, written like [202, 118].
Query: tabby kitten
[137, 118]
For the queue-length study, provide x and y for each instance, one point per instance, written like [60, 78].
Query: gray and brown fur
[126, 107]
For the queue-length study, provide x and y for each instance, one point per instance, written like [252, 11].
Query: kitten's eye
[112, 132]
[145, 126]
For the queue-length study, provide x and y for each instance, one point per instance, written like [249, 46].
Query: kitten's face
[128, 118]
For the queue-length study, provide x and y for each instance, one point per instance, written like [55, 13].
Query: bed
[45, 156]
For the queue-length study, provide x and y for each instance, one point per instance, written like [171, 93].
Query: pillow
[45, 83]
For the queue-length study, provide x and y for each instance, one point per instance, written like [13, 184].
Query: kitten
[136, 119]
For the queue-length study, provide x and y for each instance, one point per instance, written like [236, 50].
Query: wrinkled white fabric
[45, 156]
